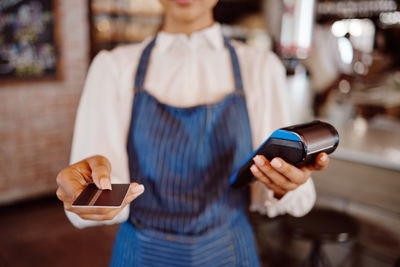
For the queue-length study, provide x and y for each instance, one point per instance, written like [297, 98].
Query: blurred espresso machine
[290, 24]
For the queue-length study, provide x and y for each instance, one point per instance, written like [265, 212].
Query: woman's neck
[172, 25]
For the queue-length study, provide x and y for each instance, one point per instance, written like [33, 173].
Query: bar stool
[321, 226]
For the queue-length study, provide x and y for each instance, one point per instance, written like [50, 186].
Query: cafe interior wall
[37, 118]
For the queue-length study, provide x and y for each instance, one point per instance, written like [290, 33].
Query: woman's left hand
[282, 177]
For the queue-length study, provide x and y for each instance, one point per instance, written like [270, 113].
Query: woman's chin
[188, 11]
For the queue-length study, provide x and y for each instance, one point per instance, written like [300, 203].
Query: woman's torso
[184, 156]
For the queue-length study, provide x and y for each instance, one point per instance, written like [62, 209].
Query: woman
[178, 114]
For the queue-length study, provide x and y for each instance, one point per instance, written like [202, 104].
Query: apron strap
[145, 58]
[235, 65]
[142, 66]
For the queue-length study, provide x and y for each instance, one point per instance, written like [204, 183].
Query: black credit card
[91, 196]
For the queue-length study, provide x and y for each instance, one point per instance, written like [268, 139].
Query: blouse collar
[211, 36]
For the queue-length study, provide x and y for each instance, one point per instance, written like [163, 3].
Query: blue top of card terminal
[283, 134]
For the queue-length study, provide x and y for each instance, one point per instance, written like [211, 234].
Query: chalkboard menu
[28, 48]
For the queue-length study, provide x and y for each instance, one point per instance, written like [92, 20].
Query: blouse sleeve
[98, 128]
[273, 91]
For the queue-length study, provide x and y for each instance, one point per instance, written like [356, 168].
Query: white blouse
[183, 71]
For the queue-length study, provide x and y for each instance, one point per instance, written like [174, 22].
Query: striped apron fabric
[188, 214]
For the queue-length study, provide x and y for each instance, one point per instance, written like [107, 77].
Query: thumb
[135, 190]
[101, 169]
[321, 162]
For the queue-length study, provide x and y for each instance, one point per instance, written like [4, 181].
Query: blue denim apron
[188, 214]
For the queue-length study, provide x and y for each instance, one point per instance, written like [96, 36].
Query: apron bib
[188, 214]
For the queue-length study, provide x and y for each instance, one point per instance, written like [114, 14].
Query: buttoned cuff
[296, 203]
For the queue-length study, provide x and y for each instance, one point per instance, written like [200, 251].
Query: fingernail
[276, 163]
[105, 184]
[259, 161]
[324, 157]
[138, 189]
[253, 168]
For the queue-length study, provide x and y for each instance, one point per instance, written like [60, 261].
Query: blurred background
[343, 66]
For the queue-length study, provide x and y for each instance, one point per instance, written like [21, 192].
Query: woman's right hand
[73, 179]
